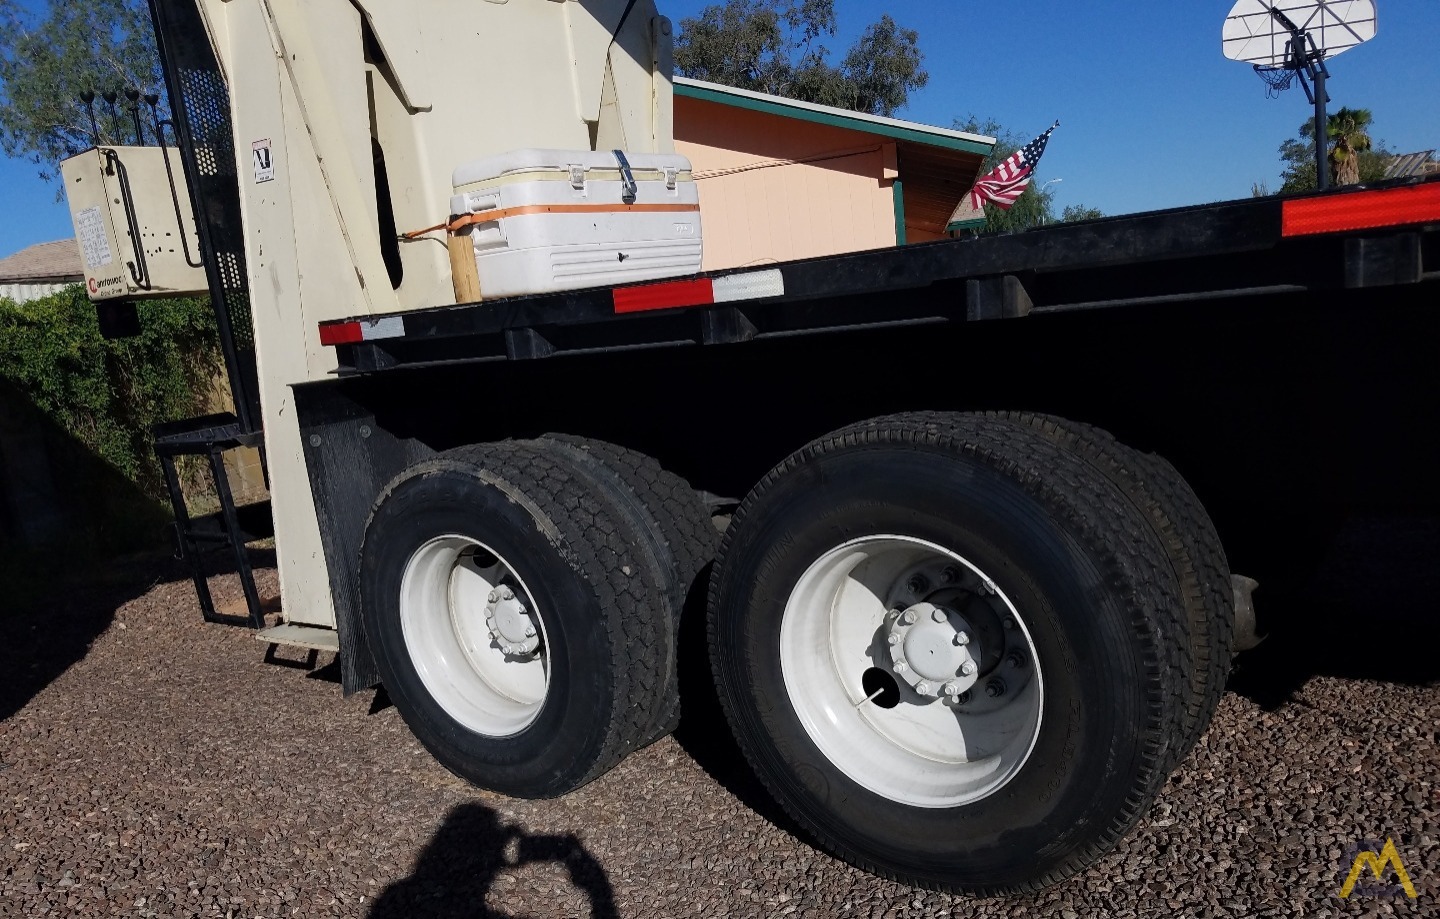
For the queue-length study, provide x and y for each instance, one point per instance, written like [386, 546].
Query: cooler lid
[559, 162]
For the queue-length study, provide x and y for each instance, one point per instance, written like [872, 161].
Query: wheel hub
[511, 624]
[931, 649]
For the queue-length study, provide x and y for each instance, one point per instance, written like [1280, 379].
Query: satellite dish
[1255, 35]
[1285, 40]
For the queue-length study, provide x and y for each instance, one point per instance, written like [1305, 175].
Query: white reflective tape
[389, 327]
[751, 285]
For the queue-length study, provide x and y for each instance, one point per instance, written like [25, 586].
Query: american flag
[1004, 185]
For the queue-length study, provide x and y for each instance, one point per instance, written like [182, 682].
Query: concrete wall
[774, 189]
[26, 291]
[246, 476]
[52, 488]
[54, 491]
[31, 510]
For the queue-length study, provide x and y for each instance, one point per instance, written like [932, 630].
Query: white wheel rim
[451, 593]
[926, 751]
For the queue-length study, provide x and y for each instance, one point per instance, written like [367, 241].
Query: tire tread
[593, 540]
[1197, 558]
[681, 522]
[1131, 559]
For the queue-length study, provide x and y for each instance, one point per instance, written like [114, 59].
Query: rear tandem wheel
[521, 619]
[952, 650]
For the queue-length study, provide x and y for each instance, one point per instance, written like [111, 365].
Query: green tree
[775, 47]
[48, 58]
[1348, 130]
[1076, 212]
[1298, 153]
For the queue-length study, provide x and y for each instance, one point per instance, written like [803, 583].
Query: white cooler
[546, 220]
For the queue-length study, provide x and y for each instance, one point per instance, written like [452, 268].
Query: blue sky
[1152, 114]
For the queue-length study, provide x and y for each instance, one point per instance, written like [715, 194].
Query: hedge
[107, 395]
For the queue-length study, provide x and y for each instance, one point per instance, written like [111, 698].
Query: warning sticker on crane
[263, 160]
[94, 244]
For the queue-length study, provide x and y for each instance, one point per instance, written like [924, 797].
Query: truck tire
[949, 649]
[1212, 574]
[675, 514]
[1175, 514]
[517, 618]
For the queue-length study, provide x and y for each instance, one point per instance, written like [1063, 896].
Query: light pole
[1044, 186]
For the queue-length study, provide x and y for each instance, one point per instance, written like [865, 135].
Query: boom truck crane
[961, 631]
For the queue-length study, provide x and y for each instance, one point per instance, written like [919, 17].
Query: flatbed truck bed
[1264, 247]
[1275, 353]
[1195, 333]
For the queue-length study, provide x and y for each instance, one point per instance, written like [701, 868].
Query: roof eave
[46, 279]
[840, 118]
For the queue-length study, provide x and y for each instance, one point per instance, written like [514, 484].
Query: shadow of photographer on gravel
[470, 852]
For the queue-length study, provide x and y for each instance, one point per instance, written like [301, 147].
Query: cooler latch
[629, 190]
[577, 176]
[672, 177]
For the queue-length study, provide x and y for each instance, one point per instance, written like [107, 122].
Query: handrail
[139, 271]
[174, 192]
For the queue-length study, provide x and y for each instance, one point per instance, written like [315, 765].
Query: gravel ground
[152, 765]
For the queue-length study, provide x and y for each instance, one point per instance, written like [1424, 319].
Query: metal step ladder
[212, 436]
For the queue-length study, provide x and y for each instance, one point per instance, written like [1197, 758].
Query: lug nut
[962, 638]
[918, 585]
[994, 689]
[507, 593]
[494, 634]
[1009, 622]
[967, 669]
[909, 617]
[894, 640]
[938, 615]
[529, 631]
[494, 596]
[952, 689]
[1015, 659]
[923, 688]
[901, 666]
[950, 575]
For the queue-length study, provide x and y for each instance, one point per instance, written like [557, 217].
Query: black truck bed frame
[1244, 341]
[1350, 239]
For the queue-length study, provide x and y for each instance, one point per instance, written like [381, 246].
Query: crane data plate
[1255, 35]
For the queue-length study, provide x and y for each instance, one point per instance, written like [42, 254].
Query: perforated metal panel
[200, 107]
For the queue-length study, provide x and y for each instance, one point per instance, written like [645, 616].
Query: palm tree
[1347, 129]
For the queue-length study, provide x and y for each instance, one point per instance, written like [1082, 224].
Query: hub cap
[474, 635]
[929, 649]
[894, 611]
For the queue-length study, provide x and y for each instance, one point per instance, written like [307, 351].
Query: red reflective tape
[341, 333]
[1389, 207]
[697, 292]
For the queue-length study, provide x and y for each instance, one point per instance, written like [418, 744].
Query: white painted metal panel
[1252, 33]
[442, 82]
[112, 258]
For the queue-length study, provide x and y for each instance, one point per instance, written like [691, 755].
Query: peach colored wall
[915, 234]
[754, 216]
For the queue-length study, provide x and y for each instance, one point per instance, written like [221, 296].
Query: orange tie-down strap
[465, 220]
